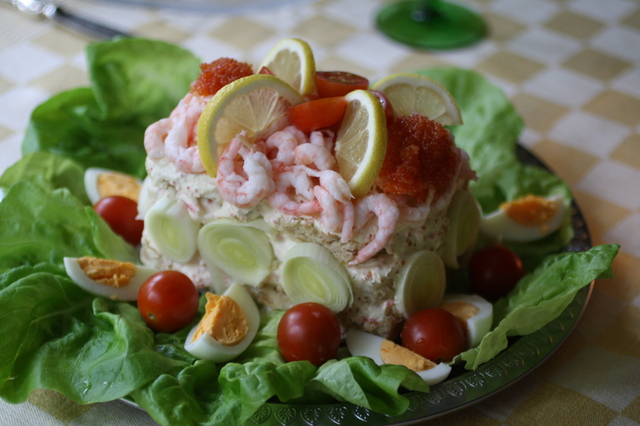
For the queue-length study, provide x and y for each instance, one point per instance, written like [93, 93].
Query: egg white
[206, 347]
[361, 343]
[91, 176]
[479, 324]
[126, 293]
[498, 225]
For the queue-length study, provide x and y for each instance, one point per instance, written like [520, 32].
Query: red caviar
[217, 74]
[420, 158]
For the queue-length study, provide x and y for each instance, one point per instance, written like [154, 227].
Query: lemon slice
[291, 60]
[361, 143]
[419, 94]
[256, 104]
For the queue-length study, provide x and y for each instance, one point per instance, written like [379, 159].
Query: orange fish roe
[420, 158]
[219, 73]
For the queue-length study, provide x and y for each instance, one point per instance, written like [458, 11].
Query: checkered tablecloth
[571, 67]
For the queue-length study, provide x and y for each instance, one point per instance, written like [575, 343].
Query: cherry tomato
[435, 334]
[338, 83]
[386, 104]
[309, 331]
[168, 301]
[120, 213]
[317, 114]
[494, 271]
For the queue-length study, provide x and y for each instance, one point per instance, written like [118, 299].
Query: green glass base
[447, 26]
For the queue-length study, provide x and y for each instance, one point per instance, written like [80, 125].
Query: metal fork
[66, 19]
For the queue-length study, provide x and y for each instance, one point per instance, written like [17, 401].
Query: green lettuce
[134, 82]
[39, 225]
[48, 171]
[540, 297]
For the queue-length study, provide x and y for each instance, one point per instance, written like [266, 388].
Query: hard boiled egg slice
[108, 278]
[525, 219]
[475, 314]
[383, 351]
[229, 325]
[100, 183]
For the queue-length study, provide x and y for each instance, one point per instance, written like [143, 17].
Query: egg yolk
[108, 272]
[110, 184]
[462, 311]
[391, 353]
[530, 210]
[225, 321]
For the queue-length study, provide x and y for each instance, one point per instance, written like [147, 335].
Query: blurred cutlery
[66, 19]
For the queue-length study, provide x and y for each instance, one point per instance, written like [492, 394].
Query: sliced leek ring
[421, 283]
[464, 225]
[241, 251]
[310, 273]
[171, 230]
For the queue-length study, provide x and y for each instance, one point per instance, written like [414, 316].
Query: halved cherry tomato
[494, 271]
[120, 213]
[317, 114]
[309, 332]
[338, 83]
[435, 334]
[386, 104]
[168, 301]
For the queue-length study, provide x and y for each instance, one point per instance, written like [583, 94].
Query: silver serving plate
[463, 387]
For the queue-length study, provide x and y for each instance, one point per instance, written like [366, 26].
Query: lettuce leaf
[57, 336]
[38, 225]
[540, 297]
[48, 171]
[134, 82]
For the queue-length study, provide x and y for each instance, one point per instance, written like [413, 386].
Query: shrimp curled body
[387, 213]
[254, 183]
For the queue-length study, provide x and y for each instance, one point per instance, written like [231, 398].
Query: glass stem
[426, 11]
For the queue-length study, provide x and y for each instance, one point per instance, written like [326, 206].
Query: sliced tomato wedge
[338, 83]
[386, 104]
[318, 113]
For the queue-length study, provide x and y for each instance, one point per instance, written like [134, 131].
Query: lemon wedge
[418, 94]
[291, 60]
[256, 104]
[361, 143]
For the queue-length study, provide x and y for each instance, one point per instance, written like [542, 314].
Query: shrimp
[240, 190]
[387, 212]
[335, 186]
[410, 214]
[315, 153]
[175, 136]
[285, 142]
[331, 215]
[154, 137]
[296, 178]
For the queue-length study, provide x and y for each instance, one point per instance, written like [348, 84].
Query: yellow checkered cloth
[572, 69]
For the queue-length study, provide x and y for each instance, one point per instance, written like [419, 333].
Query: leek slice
[464, 224]
[310, 273]
[421, 283]
[242, 251]
[171, 230]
